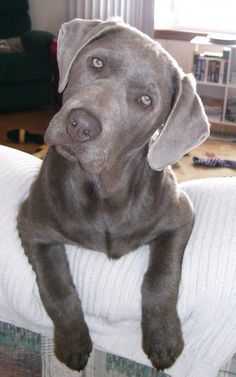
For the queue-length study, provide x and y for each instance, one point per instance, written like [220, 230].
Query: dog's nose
[82, 126]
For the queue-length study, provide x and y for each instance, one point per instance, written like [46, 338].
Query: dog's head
[122, 91]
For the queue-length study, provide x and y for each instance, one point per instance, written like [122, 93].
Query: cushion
[35, 40]
[14, 23]
[110, 290]
[25, 96]
[11, 45]
[24, 67]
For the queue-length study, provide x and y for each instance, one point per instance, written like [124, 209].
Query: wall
[181, 51]
[48, 15]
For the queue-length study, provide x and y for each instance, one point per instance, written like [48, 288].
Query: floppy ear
[75, 35]
[186, 127]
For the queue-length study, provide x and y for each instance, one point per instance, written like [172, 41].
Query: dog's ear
[185, 128]
[75, 35]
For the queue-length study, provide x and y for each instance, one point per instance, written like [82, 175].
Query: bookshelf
[214, 67]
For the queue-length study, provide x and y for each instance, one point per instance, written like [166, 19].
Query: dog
[105, 184]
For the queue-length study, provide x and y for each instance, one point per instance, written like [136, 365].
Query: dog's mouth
[91, 161]
[94, 155]
[66, 152]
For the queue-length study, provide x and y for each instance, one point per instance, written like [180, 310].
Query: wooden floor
[36, 121]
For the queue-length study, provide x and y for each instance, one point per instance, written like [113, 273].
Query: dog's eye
[97, 63]
[145, 101]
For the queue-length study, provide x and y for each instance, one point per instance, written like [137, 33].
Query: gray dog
[128, 112]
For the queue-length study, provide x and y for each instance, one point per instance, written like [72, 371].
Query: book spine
[209, 71]
[202, 69]
[195, 63]
[217, 72]
[206, 69]
[213, 72]
[221, 72]
[198, 72]
[225, 72]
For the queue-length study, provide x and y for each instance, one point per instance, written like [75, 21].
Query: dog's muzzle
[82, 126]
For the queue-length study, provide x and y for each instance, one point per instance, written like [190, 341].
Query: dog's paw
[162, 344]
[73, 349]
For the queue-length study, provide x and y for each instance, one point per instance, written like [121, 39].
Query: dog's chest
[115, 224]
[112, 230]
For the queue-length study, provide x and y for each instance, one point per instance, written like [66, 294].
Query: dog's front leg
[71, 336]
[162, 336]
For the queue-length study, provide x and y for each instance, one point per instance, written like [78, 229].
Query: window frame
[178, 35]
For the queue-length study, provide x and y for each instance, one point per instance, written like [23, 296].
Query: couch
[110, 290]
[25, 71]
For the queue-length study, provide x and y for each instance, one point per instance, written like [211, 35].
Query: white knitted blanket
[110, 290]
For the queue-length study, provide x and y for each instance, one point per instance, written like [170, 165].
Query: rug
[20, 352]
[24, 353]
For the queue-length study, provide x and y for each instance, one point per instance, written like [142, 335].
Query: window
[197, 15]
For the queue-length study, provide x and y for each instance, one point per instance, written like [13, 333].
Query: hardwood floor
[36, 121]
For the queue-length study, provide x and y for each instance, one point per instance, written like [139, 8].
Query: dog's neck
[117, 184]
[122, 178]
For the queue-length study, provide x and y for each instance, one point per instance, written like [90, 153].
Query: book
[213, 107]
[210, 68]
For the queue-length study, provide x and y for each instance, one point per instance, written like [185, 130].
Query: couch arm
[33, 40]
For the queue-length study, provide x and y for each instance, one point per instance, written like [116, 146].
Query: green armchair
[26, 75]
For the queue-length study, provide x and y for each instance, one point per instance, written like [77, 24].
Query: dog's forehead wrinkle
[139, 81]
[72, 103]
[126, 48]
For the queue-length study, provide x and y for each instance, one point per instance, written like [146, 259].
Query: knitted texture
[110, 290]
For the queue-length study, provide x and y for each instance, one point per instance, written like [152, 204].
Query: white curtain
[138, 13]
[203, 15]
